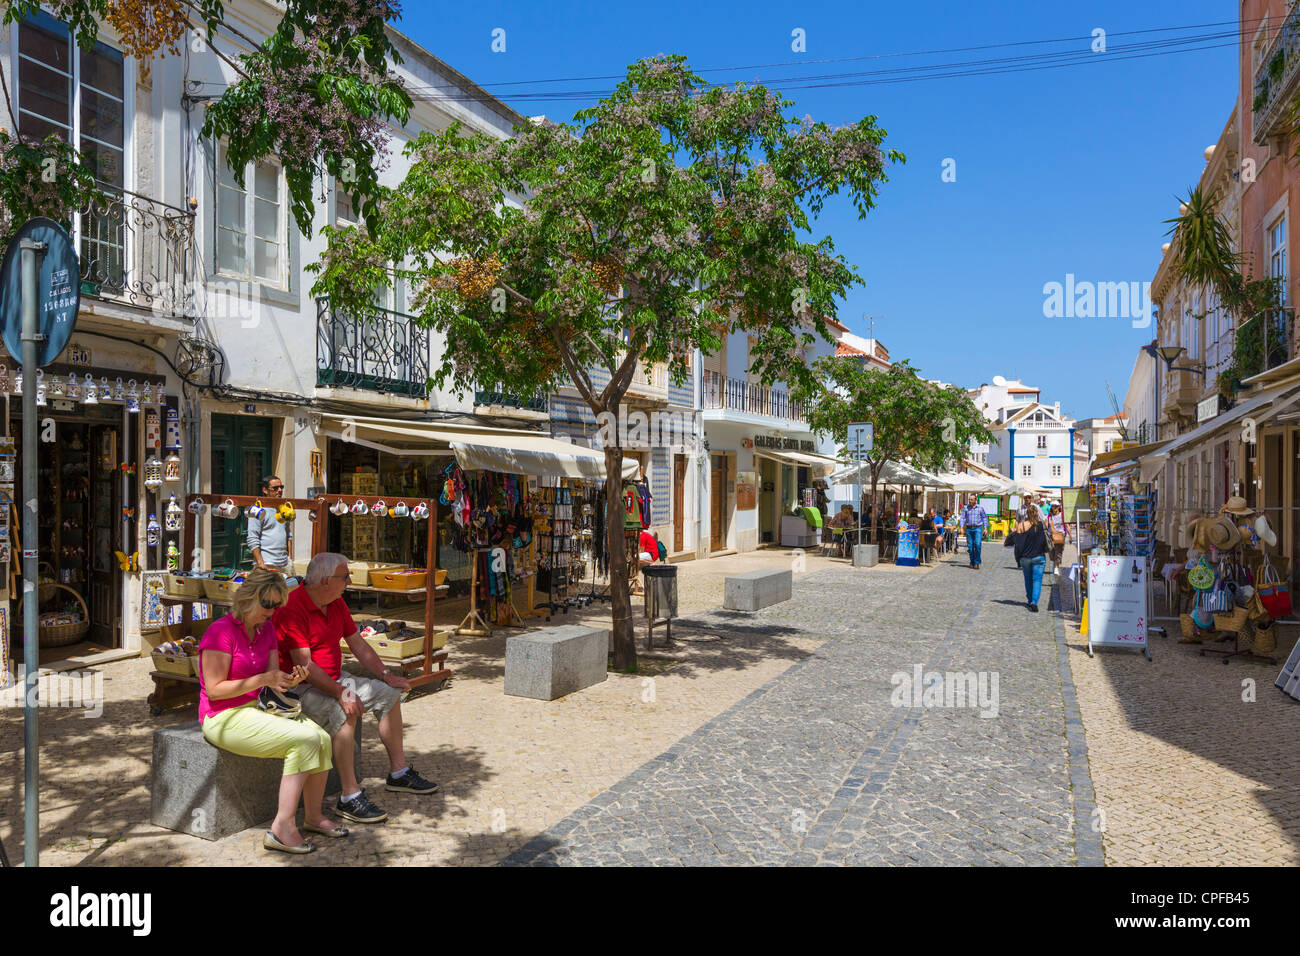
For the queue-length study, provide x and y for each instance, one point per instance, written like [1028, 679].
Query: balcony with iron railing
[751, 398]
[496, 396]
[136, 251]
[379, 351]
[1276, 79]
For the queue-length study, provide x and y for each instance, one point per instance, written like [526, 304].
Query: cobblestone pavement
[821, 767]
[509, 767]
[1194, 762]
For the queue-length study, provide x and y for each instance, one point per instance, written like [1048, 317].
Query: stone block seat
[208, 792]
[555, 661]
[755, 590]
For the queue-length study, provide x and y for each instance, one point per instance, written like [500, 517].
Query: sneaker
[410, 782]
[360, 810]
[1033, 608]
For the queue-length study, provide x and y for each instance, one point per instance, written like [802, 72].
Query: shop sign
[746, 490]
[1208, 408]
[58, 290]
[777, 443]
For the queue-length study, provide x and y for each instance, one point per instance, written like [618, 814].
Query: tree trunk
[619, 600]
[875, 508]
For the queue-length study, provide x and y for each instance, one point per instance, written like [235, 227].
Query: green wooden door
[241, 456]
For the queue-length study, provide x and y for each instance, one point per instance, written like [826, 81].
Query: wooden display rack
[475, 615]
[432, 665]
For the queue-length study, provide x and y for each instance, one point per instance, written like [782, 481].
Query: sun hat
[1236, 505]
[1266, 533]
[1223, 534]
[1198, 534]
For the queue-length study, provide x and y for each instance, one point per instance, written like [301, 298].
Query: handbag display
[1219, 599]
[1273, 593]
[1202, 576]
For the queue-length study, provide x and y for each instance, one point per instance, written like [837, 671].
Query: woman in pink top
[238, 657]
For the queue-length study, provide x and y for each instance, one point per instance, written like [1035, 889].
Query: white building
[184, 269]
[1100, 435]
[1142, 400]
[1037, 444]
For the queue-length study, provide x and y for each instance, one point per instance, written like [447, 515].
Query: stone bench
[556, 661]
[211, 793]
[755, 590]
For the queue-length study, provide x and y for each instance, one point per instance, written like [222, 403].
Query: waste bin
[660, 598]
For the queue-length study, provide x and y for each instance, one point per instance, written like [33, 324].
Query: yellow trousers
[252, 732]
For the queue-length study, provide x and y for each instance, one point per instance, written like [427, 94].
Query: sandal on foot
[334, 833]
[272, 842]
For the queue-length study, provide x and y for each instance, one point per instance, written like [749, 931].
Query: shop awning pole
[31, 545]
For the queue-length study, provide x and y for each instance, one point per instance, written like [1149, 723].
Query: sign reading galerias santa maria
[58, 290]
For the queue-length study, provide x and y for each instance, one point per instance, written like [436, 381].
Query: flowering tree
[914, 420]
[664, 217]
[317, 94]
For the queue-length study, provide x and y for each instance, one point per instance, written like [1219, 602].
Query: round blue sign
[58, 290]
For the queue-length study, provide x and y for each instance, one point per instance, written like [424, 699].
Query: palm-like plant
[1203, 245]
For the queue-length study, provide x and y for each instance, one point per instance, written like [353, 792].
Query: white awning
[507, 450]
[800, 459]
[1262, 406]
[893, 473]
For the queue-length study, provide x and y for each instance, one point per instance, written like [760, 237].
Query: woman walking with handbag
[1059, 529]
[1031, 554]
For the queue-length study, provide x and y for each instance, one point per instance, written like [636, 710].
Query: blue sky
[1057, 171]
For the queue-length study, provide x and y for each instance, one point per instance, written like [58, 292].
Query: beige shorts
[376, 697]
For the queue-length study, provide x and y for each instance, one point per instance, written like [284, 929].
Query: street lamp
[1170, 354]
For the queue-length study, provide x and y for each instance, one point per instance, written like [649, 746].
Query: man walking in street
[973, 519]
[269, 539]
[312, 625]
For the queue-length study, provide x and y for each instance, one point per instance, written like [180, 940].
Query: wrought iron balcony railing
[741, 396]
[536, 403]
[137, 250]
[380, 351]
[1275, 79]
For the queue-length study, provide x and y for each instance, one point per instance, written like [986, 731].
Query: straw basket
[57, 635]
[1232, 621]
[1188, 627]
[49, 588]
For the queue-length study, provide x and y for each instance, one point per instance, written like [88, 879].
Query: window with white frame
[79, 96]
[252, 222]
[1194, 347]
[1056, 471]
[390, 297]
[1042, 442]
[1026, 471]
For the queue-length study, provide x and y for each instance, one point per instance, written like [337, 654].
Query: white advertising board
[1117, 602]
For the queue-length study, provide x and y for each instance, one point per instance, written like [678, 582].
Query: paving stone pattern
[819, 767]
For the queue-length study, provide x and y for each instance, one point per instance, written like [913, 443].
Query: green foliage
[40, 179]
[663, 218]
[1203, 244]
[915, 421]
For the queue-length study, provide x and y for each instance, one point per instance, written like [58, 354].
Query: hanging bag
[1219, 599]
[1201, 577]
[1202, 616]
[1273, 593]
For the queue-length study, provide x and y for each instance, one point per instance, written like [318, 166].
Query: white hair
[323, 566]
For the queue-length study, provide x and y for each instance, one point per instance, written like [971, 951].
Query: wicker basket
[47, 589]
[59, 635]
[398, 580]
[220, 591]
[183, 586]
[1231, 622]
[1190, 633]
[180, 664]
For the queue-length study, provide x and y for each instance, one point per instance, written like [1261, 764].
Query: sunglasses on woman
[270, 606]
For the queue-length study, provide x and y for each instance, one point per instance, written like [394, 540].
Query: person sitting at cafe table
[312, 625]
[239, 657]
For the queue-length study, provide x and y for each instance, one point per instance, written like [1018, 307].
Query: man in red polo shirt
[312, 625]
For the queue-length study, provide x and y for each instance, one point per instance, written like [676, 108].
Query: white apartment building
[1037, 444]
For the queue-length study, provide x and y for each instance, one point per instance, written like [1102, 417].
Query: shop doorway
[241, 457]
[679, 500]
[718, 504]
[79, 498]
